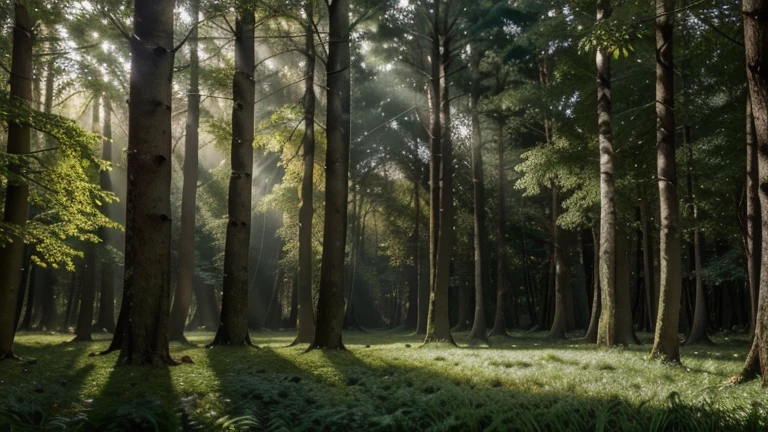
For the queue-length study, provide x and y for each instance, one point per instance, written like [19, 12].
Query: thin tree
[233, 326]
[615, 325]
[106, 319]
[479, 327]
[500, 322]
[666, 344]
[305, 325]
[186, 266]
[330, 306]
[753, 241]
[148, 202]
[15, 212]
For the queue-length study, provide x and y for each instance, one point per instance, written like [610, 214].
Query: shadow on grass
[40, 387]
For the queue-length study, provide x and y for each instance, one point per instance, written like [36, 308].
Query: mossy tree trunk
[666, 344]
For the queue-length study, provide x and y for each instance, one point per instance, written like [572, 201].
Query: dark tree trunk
[479, 327]
[293, 316]
[499, 321]
[423, 278]
[106, 319]
[438, 320]
[275, 311]
[233, 327]
[148, 207]
[754, 235]
[186, 267]
[666, 344]
[756, 44]
[26, 275]
[305, 326]
[330, 307]
[649, 266]
[48, 316]
[17, 193]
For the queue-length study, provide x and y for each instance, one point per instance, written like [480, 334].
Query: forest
[384, 215]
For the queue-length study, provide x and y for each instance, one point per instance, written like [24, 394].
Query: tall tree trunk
[479, 327]
[615, 326]
[330, 307]
[84, 326]
[26, 271]
[71, 303]
[754, 235]
[666, 344]
[148, 206]
[562, 279]
[106, 319]
[438, 321]
[17, 193]
[499, 321]
[233, 327]
[186, 267]
[435, 143]
[305, 326]
[756, 44]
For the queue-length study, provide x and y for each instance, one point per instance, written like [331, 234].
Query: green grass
[520, 384]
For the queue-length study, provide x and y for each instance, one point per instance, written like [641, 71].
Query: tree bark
[424, 278]
[756, 44]
[479, 326]
[666, 344]
[754, 235]
[649, 265]
[499, 321]
[106, 319]
[17, 193]
[594, 319]
[186, 267]
[330, 307]
[412, 313]
[438, 320]
[233, 326]
[148, 206]
[305, 327]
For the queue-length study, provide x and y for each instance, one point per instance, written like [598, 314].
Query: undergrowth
[386, 382]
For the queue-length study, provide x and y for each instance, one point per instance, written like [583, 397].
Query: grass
[525, 383]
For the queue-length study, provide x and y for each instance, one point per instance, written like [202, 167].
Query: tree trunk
[754, 235]
[330, 307]
[84, 326]
[106, 319]
[562, 279]
[479, 327]
[438, 321]
[666, 344]
[649, 266]
[17, 193]
[424, 278]
[26, 273]
[499, 321]
[26, 322]
[305, 327]
[756, 44]
[233, 327]
[148, 206]
[186, 269]
[615, 325]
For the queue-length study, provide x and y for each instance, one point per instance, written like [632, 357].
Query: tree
[186, 267]
[106, 319]
[666, 344]
[233, 327]
[305, 326]
[615, 325]
[17, 193]
[330, 307]
[148, 208]
[479, 328]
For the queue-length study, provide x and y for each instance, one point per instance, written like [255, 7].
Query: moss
[523, 383]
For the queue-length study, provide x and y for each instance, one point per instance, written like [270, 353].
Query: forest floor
[386, 381]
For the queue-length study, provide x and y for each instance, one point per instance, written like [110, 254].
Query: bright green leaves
[63, 197]
[615, 37]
